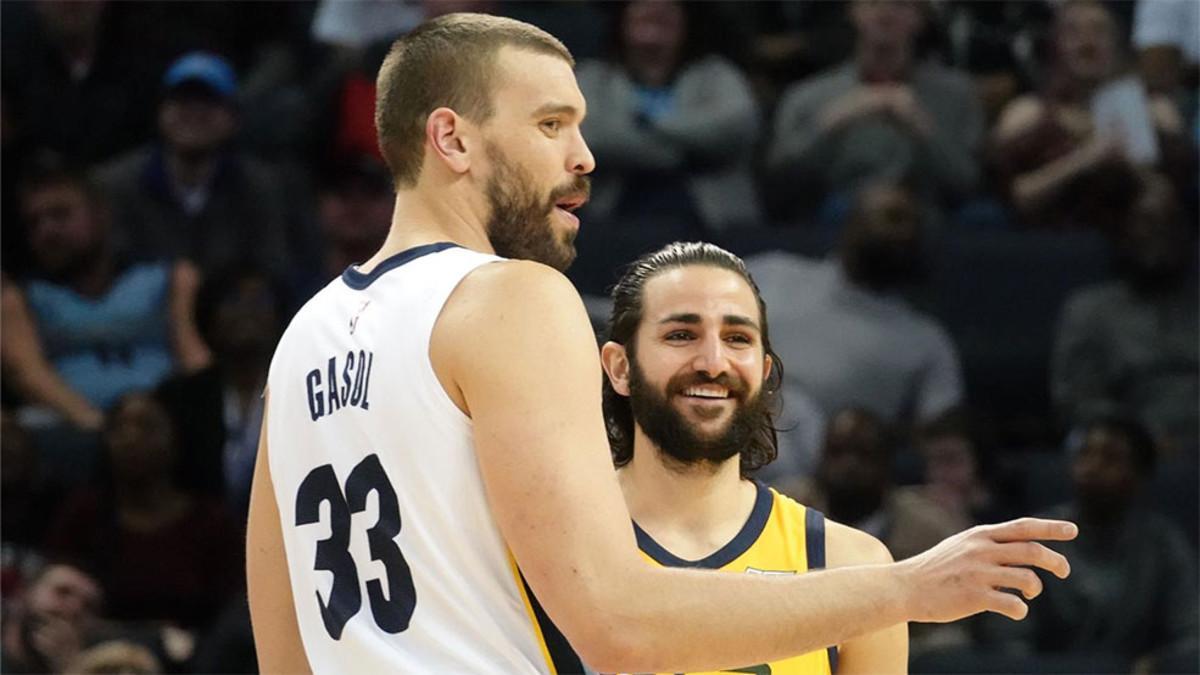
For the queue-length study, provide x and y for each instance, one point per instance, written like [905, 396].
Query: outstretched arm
[883, 651]
[532, 389]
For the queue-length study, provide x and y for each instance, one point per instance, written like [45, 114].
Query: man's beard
[519, 226]
[675, 437]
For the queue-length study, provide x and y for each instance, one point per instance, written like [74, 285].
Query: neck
[693, 510]
[188, 170]
[418, 219]
[94, 279]
[883, 62]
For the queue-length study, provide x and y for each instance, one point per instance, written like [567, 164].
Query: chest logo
[755, 570]
[354, 319]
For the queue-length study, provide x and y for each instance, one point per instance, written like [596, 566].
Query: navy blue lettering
[366, 405]
[356, 395]
[346, 382]
[316, 402]
[334, 402]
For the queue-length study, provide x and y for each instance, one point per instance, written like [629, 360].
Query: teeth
[707, 392]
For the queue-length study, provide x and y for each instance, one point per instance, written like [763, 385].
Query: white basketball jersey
[396, 563]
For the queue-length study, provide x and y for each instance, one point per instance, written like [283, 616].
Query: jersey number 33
[392, 610]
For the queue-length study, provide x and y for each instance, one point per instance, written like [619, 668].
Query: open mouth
[566, 208]
[707, 392]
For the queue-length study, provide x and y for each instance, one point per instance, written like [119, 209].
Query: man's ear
[616, 366]
[444, 131]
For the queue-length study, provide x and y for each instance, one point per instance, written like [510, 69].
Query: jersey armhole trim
[814, 545]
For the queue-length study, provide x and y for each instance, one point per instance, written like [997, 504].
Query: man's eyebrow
[729, 319]
[681, 317]
[555, 109]
[739, 320]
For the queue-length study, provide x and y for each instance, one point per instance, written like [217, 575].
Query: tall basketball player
[433, 429]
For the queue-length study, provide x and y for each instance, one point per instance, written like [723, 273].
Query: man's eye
[551, 125]
[739, 338]
[679, 335]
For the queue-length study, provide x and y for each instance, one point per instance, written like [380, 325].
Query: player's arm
[272, 612]
[514, 349]
[883, 651]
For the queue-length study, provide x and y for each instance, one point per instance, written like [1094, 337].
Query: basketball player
[691, 389]
[433, 435]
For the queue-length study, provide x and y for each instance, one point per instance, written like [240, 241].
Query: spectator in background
[956, 476]
[192, 194]
[27, 495]
[80, 87]
[1166, 34]
[884, 115]
[1056, 167]
[994, 42]
[354, 211]
[115, 656]
[1130, 346]
[160, 553]
[51, 620]
[218, 410]
[672, 129]
[853, 485]
[1132, 590]
[847, 335]
[90, 327]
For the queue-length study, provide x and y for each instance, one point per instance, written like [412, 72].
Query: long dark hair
[628, 305]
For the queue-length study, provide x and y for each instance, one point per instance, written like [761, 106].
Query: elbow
[620, 650]
[612, 633]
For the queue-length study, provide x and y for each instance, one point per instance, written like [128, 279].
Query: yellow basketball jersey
[780, 537]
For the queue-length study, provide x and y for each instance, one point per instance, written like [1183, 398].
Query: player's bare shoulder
[846, 546]
[504, 312]
[499, 297]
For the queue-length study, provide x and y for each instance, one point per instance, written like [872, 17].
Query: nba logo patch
[755, 570]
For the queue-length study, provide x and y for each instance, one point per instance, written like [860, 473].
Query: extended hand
[963, 575]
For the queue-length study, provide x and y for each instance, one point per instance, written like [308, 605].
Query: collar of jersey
[360, 280]
[741, 542]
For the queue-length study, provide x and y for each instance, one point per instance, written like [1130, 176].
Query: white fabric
[358, 23]
[1168, 22]
[469, 615]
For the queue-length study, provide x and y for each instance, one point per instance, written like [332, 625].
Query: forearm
[668, 615]
[635, 149]
[40, 384]
[1032, 190]
[721, 130]
[191, 352]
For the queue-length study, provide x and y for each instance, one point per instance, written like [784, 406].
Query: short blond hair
[445, 62]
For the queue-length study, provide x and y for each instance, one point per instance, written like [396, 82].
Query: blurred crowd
[974, 225]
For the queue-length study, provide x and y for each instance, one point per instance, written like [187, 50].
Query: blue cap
[203, 67]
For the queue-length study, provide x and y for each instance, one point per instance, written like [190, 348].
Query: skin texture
[549, 478]
[704, 320]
